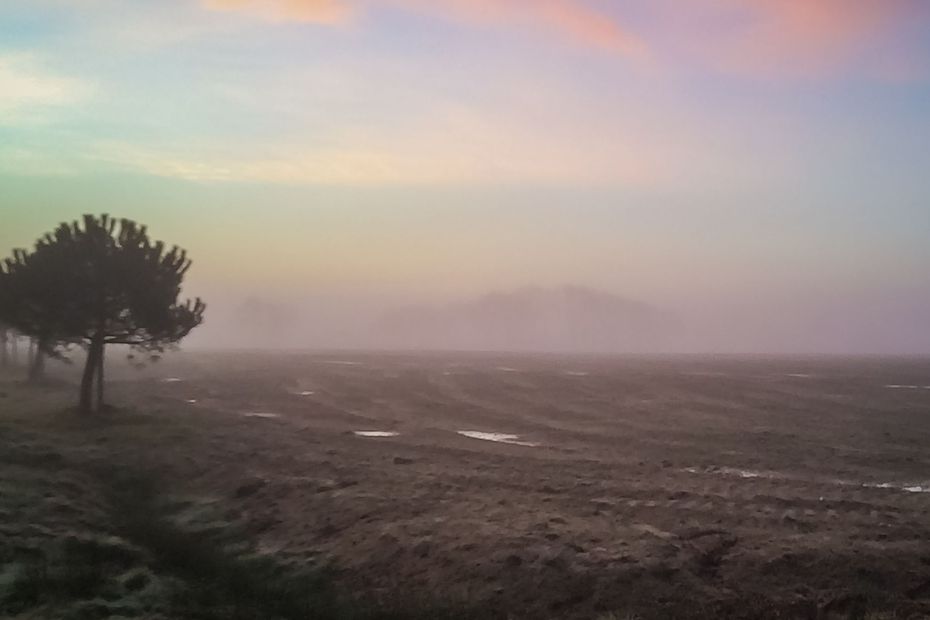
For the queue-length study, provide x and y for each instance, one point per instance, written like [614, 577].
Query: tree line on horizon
[91, 283]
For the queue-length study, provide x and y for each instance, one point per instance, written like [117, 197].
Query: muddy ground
[652, 488]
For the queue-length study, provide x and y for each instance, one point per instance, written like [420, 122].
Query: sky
[757, 168]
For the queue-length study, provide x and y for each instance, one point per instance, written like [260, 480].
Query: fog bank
[571, 319]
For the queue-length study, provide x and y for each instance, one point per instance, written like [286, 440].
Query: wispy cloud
[363, 165]
[27, 90]
[311, 11]
[782, 38]
[450, 145]
[805, 37]
[572, 20]
[31, 162]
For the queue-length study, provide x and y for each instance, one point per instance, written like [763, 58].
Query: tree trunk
[100, 360]
[91, 365]
[37, 368]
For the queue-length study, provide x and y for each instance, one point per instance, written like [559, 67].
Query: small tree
[34, 302]
[97, 282]
[4, 342]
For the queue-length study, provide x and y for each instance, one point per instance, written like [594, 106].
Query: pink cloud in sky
[310, 11]
[801, 37]
[748, 37]
[569, 19]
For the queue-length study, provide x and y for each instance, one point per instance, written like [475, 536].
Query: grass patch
[211, 582]
[155, 568]
[72, 569]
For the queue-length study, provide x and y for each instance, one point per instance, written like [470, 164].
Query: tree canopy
[96, 282]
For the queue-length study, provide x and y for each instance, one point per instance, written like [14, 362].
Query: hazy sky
[756, 162]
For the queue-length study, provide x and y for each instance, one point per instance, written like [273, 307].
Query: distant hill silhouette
[569, 318]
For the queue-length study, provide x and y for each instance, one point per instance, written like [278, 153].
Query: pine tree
[98, 282]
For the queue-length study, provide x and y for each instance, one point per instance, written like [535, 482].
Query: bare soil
[651, 488]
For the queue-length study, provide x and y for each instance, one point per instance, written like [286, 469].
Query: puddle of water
[704, 373]
[306, 393]
[376, 433]
[513, 440]
[747, 473]
[873, 485]
[341, 363]
[906, 487]
[506, 369]
[261, 414]
[744, 473]
[191, 401]
[576, 373]
[905, 387]
[731, 471]
[172, 380]
[799, 375]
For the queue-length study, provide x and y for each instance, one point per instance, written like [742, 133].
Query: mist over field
[568, 319]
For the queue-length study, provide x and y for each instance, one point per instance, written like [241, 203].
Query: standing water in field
[498, 438]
